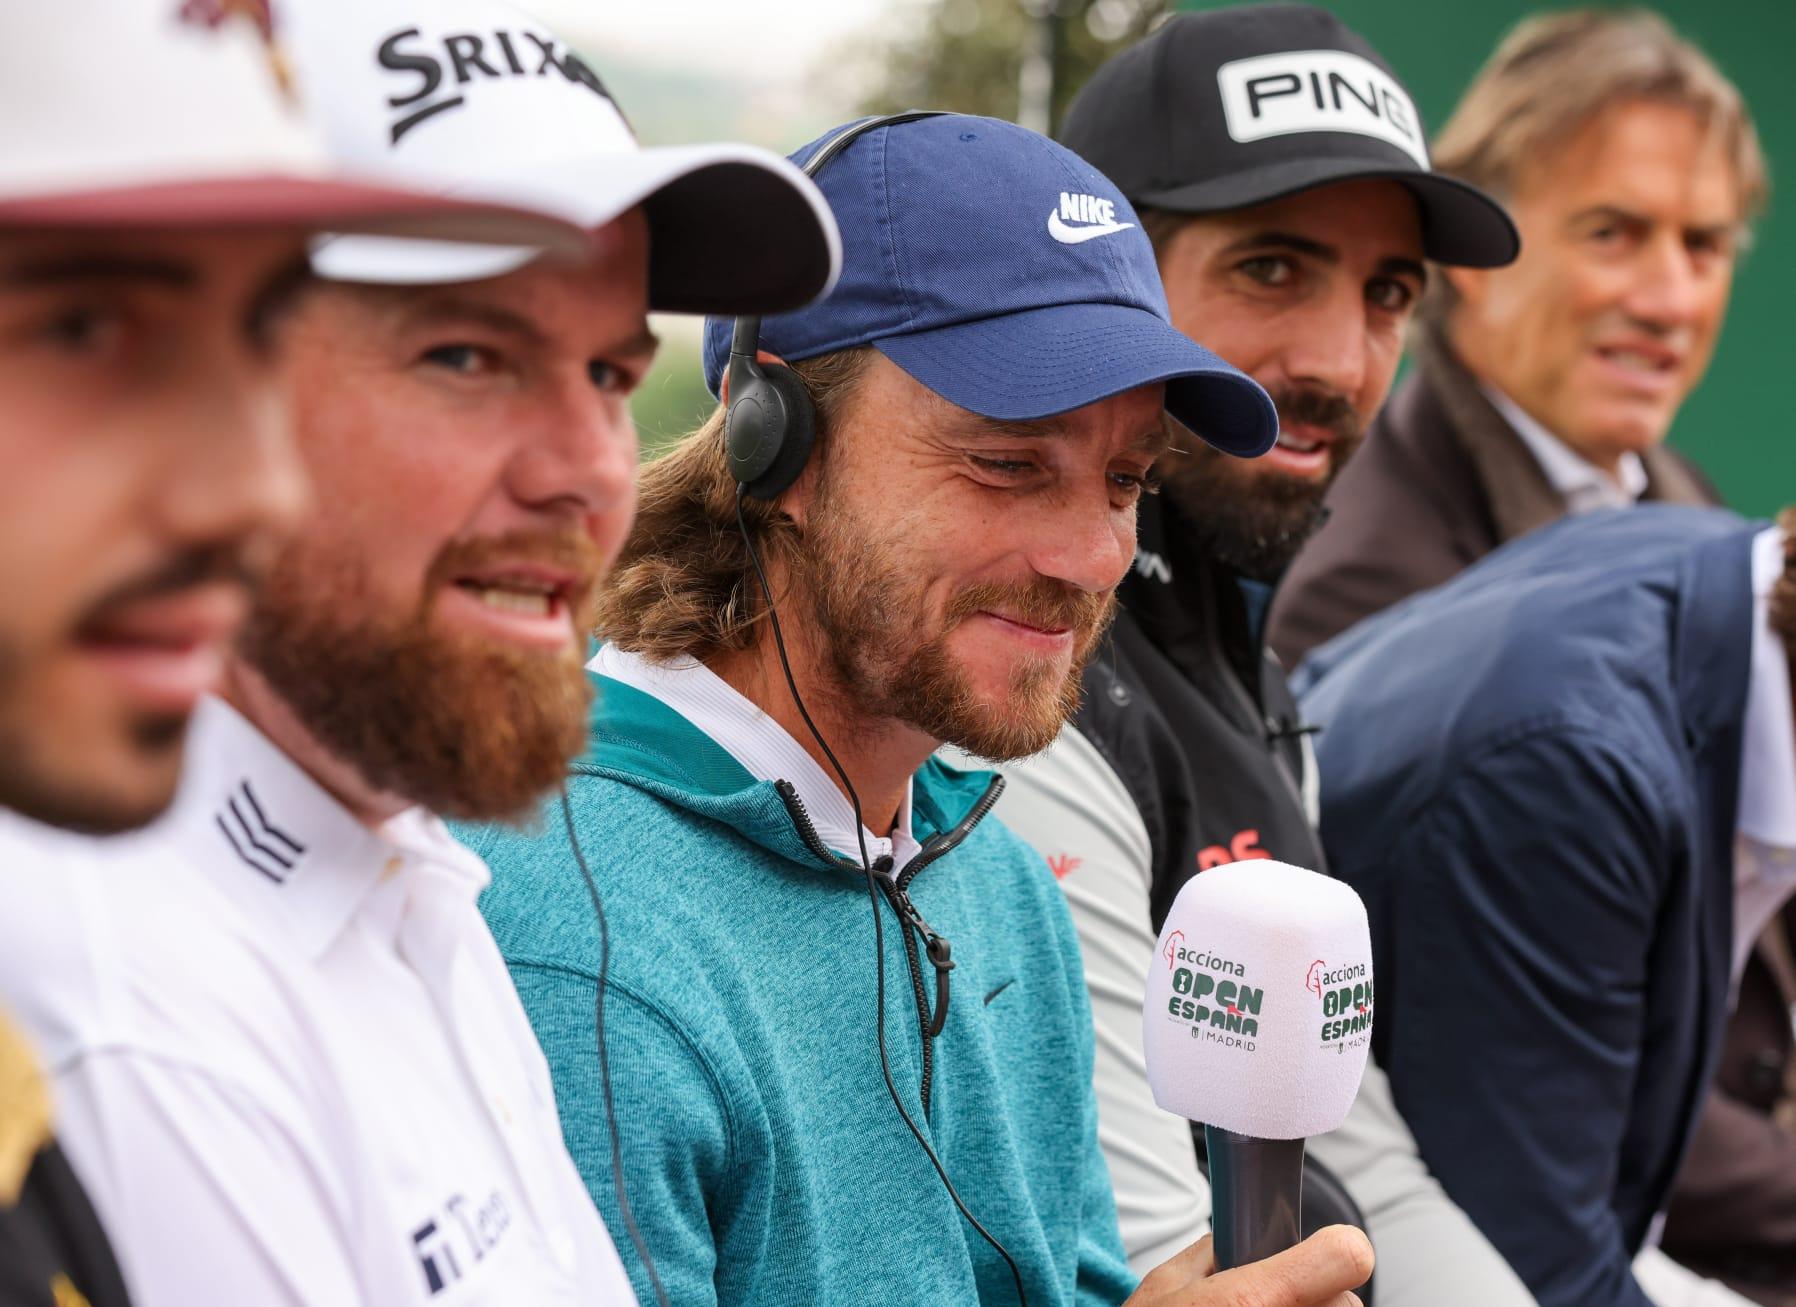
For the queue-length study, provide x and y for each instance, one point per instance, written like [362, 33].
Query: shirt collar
[1582, 484]
[763, 747]
[1768, 758]
[278, 844]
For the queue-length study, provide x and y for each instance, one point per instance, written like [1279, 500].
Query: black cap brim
[1461, 225]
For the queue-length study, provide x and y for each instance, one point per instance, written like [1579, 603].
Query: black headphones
[770, 423]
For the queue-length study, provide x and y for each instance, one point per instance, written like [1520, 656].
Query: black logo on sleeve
[441, 72]
[257, 841]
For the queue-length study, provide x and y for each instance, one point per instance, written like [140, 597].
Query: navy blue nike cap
[1007, 275]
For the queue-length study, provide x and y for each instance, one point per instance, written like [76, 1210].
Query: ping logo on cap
[1080, 218]
[1318, 91]
[465, 55]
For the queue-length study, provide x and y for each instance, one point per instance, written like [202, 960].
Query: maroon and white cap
[180, 113]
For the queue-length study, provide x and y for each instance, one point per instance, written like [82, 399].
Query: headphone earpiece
[768, 428]
[770, 422]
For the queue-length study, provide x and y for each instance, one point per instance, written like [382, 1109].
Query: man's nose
[1329, 348]
[1667, 289]
[1088, 542]
[578, 455]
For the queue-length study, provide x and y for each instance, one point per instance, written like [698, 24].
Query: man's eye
[1707, 243]
[606, 377]
[1389, 294]
[463, 360]
[1269, 270]
[84, 331]
[1009, 468]
[1137, 484]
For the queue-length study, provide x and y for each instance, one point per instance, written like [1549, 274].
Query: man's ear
[762, 357]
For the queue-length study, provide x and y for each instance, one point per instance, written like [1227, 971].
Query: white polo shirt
[290, 1063]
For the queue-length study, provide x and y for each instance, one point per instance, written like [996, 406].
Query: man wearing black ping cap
[1280, 168]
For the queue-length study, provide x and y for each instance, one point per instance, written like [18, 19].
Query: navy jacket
[1531, 776]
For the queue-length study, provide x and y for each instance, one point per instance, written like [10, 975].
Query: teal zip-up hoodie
[764, 1159]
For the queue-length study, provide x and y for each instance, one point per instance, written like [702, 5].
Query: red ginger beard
[469, 728]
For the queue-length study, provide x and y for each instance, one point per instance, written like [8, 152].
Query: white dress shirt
[1583, 485]
[763, 747]
[1765, 833]
[1764, 862]
[290, 1064]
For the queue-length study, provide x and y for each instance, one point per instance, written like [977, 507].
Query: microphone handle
[1256, 1195]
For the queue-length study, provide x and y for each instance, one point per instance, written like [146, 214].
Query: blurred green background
[989, 56]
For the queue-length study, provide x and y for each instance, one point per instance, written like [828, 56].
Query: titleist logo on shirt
[458, 1237]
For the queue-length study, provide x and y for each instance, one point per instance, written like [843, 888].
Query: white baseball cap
[172, 113]
[479, 100]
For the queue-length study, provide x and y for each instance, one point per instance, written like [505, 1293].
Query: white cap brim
[733, 229]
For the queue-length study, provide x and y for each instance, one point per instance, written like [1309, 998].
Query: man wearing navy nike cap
[822, 983]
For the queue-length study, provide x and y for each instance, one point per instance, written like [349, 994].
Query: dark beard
[870, 613]
[1256, 523]
[466, 727]
[72, 799]
[33, 786]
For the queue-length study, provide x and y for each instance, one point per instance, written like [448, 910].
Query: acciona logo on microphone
[1210, 994]
[1346, 996]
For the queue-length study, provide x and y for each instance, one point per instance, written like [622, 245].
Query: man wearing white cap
[155, 188]
[292, 1065]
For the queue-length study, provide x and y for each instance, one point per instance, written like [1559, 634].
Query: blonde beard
[870, 613]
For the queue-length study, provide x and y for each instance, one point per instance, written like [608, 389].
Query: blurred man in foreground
[155, 190]
[1565, 785]
[1546, 388]
[292, 1067]
[1291, 240]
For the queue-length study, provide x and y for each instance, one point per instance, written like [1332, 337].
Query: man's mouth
[1048, 637]
[1647, 361]
[1298, 445]
[525, 604]
[164, 651]
[1040, 628]
[534, 598]
[1302, 450]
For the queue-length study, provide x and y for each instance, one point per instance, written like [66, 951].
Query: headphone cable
[879, 939]
[617, 1161]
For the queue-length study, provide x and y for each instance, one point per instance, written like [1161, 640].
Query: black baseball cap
[1237, 106]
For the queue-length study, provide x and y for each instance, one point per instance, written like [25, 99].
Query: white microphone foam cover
[1258, 1016]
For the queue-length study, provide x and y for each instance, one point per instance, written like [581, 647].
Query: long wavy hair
[683, 585]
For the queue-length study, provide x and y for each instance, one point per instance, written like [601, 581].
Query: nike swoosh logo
[1079, 235]
[999, 990]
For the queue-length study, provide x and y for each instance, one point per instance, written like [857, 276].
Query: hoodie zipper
[935, 946]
